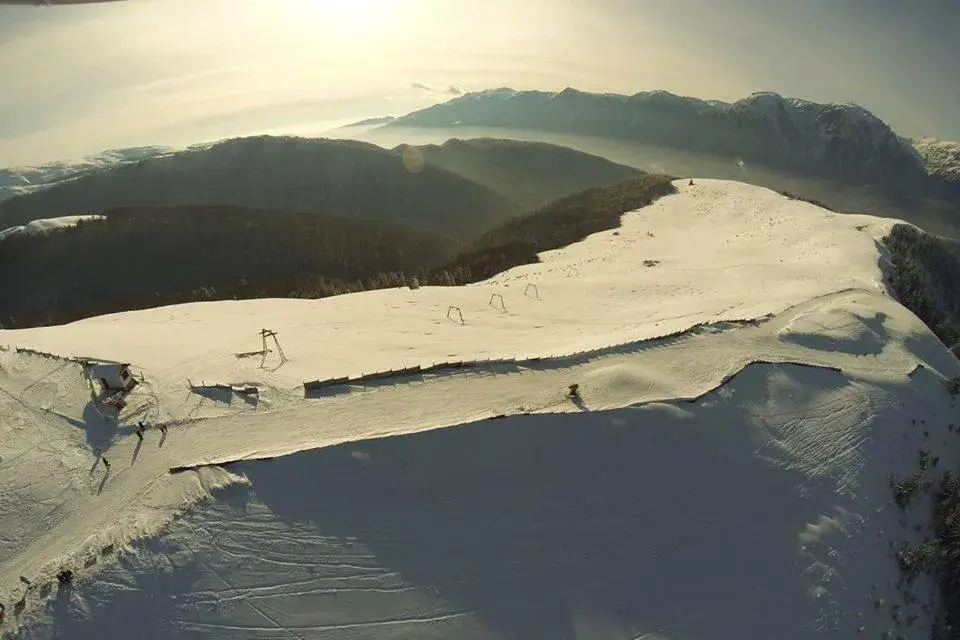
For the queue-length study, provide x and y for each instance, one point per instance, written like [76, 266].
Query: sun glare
[352, 16]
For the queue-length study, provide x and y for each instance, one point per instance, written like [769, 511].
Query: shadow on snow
[659, 519]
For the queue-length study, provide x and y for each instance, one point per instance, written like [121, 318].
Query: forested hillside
[142, 257]
[926, 279]
[531, 173]
[556, 225]
[341, 178]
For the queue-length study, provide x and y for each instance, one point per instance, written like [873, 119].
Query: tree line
[140, 257]
[926, 279]
[143, 257]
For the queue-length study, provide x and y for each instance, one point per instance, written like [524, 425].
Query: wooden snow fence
[377, 375]
[392, 373]
[533, 360]
[44, 354]
[245, 389]
[435, 368]
[316, 385]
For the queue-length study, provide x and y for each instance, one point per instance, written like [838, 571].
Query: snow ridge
[762, 449]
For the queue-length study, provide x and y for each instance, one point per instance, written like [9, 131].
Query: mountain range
[840, 141]
[839, 154]
[460, 190]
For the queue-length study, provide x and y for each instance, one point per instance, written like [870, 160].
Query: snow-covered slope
[47, 225]
[20, 180]
[941, 157]
[746, 385]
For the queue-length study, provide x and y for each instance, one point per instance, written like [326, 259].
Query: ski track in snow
[798, 355]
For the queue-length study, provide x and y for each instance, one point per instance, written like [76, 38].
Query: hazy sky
[79, 79]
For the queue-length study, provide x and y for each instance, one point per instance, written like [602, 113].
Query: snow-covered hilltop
[746, 389]
[20, 180]
[46, 225]
[840, 141]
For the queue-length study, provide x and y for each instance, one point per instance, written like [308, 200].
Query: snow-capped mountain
[941, 157]
[413, 463]
[19, 180]
[842, 141]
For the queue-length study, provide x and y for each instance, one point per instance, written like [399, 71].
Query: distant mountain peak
[764, 99]
[501, 92]
[570, 92]
[845, 142]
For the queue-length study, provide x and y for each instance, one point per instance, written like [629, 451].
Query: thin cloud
[449, 90]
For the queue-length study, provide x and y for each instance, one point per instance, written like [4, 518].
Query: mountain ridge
[844, 141]
[459, 189]
[342, 178]
[531, 173]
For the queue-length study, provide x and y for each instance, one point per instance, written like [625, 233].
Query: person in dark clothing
[106, 462]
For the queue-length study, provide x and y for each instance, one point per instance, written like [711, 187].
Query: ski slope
[747, 386]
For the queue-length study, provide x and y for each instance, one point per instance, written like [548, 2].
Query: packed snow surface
[47, 225]
[746, 387]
